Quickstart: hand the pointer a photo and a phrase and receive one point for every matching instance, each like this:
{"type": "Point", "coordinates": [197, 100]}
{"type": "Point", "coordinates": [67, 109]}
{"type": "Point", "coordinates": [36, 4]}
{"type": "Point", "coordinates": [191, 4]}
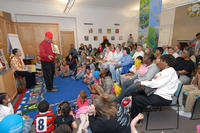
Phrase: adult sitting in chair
{"type": "Point", "coordinates": [165, 84]}
{"type": "Point", "coordinates": [185, 66]}
{"type": "Point", "coordinates": [123, 66]}
{"type": "Point", "coordinates": [18, 67]}
{"type": "Point", "coordinates": [147, 72]}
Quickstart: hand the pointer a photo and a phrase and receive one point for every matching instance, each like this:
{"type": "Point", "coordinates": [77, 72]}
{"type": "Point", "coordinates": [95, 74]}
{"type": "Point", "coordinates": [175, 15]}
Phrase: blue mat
{"type": "Point", "coordinates": [68, 89]}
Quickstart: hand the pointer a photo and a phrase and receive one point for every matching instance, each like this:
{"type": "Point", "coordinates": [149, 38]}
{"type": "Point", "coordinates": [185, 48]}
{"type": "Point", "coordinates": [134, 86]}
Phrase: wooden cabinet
{"type": "Point", "coordinates": [8, 83]}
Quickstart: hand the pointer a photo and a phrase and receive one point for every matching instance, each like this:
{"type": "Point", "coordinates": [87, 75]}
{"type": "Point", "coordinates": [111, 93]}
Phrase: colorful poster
{"type": "Point", "coordinates": [86, 38]}
{"type": "Point", "coordinates": [90, 30]}
{"type": "Point", "coordinates": [112, 38]}
{"type": "Point", "coordinates": [149, 24]}
{"type": "Point", "coordinates": [154, 23]}
{"type": "Point", "coordinates": [144, 21]}
{"type": "Point", "coordinates": [117, 31]}
{"type": "Point", "coordinates": [100, 31]}
{"type": "Point", "coordinates": [108, 31]}
{"type": "Point", "coordinates": [104, 37]}
{"type": "Point", "coordinates": [120, 38]}
{"type": "Point", "coordinates": [95, 38]}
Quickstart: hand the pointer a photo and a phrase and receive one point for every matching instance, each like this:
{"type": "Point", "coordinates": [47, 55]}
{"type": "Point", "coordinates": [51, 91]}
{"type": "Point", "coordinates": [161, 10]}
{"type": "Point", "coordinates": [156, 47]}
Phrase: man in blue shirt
{"type": "Point", "coordinates": [123, 66]}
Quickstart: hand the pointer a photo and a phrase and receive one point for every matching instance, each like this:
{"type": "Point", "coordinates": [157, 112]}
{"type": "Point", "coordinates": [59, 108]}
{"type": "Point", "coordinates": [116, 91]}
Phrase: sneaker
{"type": "Point", "coordinates": [185, 114]}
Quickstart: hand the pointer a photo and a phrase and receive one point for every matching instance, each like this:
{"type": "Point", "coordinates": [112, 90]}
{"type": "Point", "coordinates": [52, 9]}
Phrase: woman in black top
{"type": "Point", "coordinates": [185, 66]}
{"type": "Point", "coordinates": [71, 61]}
{"type": "Point", "coordinates": [108, 117]}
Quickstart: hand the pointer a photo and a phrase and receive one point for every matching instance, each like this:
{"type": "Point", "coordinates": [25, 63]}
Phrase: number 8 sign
{"type": "Point", "coordinates": [41, 124]}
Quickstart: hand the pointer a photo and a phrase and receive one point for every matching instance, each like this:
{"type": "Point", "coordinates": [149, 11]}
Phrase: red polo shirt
{"type": "Point", "coordinates": [45, 51]}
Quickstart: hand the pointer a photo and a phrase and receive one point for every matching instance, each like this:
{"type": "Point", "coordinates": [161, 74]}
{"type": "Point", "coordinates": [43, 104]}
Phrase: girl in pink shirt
{"type": "Point", "coordinates": [88, 77]}
{"type": "Point", "coordinates": [82, 113]}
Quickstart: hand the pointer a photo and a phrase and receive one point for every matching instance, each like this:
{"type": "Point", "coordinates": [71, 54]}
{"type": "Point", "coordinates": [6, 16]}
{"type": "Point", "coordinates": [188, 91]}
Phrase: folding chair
{"type": "Point", "coordinates": [174, 103]}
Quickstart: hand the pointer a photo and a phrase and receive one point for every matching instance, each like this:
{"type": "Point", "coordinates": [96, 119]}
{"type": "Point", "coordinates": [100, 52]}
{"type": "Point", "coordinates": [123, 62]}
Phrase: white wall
{"type": "Point", "coordinates": [101, 18]}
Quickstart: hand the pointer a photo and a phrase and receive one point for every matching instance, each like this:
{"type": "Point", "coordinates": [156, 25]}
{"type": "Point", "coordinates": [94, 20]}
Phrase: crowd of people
{"type": "Point", "coordinates": [151, 78]}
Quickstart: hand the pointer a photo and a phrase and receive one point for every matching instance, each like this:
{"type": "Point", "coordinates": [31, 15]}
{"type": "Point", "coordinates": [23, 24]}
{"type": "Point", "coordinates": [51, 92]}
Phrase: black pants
{"type": "Point", "coordinates": [48, 69]}
{"type": "Point", "coordinates": [139, 102]}
{"type": "Point", "coordinates": [30, 77]}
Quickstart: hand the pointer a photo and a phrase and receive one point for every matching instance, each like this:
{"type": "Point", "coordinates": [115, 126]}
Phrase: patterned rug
{"type": "Point", "coordinates": [68, 89]}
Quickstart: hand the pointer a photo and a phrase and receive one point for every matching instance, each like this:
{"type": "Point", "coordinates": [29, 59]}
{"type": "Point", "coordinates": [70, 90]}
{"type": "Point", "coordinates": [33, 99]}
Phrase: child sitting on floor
{"type": "Point", "coordinates": [88, 77]}
{"type": "Point", "coordinates": [64, 69]}
{"type": "Point", "coordinates": [44, 120]}
{"type": "Point", "coordinates": [82, 113]}
{"type": "Point", "coordinates": [64, 116]}
{"type": "Point", "coordinates": [38, 66]}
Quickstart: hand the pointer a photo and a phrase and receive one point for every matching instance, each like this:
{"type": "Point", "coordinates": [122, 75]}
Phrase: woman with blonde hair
{"type": "Point", "coordinates": [106, 116]}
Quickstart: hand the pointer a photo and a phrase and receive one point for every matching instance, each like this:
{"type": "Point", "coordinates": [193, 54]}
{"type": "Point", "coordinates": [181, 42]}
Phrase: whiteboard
{"type": "Point", "coordinates": [13, 42]}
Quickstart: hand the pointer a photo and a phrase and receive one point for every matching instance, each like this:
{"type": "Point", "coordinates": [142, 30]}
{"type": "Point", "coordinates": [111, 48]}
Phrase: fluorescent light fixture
{"type": "Point", "coordinates": [69, 5]}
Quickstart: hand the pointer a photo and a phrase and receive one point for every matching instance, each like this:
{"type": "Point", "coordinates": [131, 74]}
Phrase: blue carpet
{"type": "Point", "coordinates": [68, 89]}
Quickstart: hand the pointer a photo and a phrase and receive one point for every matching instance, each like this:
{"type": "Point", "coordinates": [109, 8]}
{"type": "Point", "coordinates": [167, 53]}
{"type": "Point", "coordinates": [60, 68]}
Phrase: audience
{"type": "Point", "coordinates": [17, 65]}
{"type": "Point", "coordinates": [139, 52]}
{"type": "Point", "coordinates": [122, 66]}
{"type": "Point", "coordinates": [185, 66]}
{"type": "Point", "coordinates": [45, 114]}
{"type": "Point", "coordinates": [64, 116]}
{"type": "Point", "coordinates": [164, 84]}
{"type": "Point", "coordinates": [133, 69]}
{"type": "Point", "coordinates": [171, 51]}
{"type": "Point", "coordinates": [82, 113]}
{"type": "Point", "coordinates": [108, 117]}
{"type": "Point", "coordinates": [6, 109]}
{"type": "Point", "coordinates": [73, 51]}
{"type": "Point", "coordinates": [197, 47]}
{"type": "Point", "coordinates": [193, 91]}
{"type": "Point", "coordinates": [147, 72]}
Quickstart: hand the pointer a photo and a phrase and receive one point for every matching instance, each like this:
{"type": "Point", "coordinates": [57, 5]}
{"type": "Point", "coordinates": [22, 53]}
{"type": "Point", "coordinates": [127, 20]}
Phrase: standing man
{"type": "Point", "coordinates": [130, 40]}
{"type": "Point", "coordinates": [47, 61]}
{"type": "Point", "coordinates": [197, 47]}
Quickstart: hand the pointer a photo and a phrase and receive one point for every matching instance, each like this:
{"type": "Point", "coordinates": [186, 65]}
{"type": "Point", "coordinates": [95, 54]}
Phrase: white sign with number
{"type": "Point", "coordinates": [41, 124]}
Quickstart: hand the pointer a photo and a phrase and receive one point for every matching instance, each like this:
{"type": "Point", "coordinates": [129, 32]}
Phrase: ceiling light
{"type": "Point", "coordinates": [64, 1]}
{"type": "Point", "coordinates": [69, 5]}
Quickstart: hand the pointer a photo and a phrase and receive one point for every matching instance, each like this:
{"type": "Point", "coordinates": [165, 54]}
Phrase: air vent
{"type": "Point", "coordinates": [117, 24]}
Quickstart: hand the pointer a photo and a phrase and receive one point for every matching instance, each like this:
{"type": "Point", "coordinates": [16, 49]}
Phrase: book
{"type": "Point", "coordinates": [55, 49]}
{"type": "Point", "coordinates": [30, 68]}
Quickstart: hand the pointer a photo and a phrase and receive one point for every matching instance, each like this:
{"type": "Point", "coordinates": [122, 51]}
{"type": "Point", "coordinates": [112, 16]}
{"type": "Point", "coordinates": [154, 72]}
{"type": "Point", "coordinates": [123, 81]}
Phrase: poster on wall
{"type": "Point", "coordinates": [117, 31]}
{"type": "Point", "coordinates": [112, 38]}
{"type": "Point", "coordinates": [120, 38]}
{"type": "Point", "coordinates": [95, 38]}
{"type": "Point", "coordinates": [90, 30]}
{"type": "Point", "coordinates": [108, 31]}
{"type": "Point", "coordinates": [86, 38]}
{"type": "Point", "coordinates": [100, 31]}
{"type": "Point", "coordinates": [104, 37]}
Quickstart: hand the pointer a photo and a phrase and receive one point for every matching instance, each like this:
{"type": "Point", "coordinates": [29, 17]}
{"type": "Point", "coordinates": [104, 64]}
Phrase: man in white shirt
{"type": "Point", "coordinates": [165, 83]}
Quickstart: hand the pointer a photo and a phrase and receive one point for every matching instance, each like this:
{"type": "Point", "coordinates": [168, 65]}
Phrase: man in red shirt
{"type": "Point", "coordinates": [47, 61]}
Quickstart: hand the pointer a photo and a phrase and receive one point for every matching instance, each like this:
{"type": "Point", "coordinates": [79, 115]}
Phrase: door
{"type": "Point", "coordinates": [67, 38]}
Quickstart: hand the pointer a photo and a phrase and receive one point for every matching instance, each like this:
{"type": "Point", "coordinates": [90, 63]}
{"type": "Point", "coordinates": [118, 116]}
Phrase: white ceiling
{"type": "Point", "coordinates": [120, 4]}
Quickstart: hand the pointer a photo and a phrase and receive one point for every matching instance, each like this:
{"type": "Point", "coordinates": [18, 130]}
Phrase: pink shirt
{"type": "Point", "coordinates": [90, 76]}
{"type": "Point", "coordinates": [80, 104]}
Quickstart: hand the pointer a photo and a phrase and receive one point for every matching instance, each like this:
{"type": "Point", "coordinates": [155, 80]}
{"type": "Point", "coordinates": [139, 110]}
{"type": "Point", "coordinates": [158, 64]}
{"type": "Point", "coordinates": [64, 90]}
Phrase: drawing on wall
{"type": "Point", "coordinates": [120, 37]}
{"type": "Point", "coordinates": [90, 30]}
{"type": "Point", "coordinates": [104, 37]}
{"type": "Point", "coordinates": [95, 38]}
{"type": "Point", "coordinates": [108, 31]}
{"type": "Point", "coordinates": [116, 31]}
{"type": "Point", "coordinates": [100, 31]}
{"type": "Point", "coordinates": [112, 38]}
{"type": "Point", "coordinates": [86, 38]}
